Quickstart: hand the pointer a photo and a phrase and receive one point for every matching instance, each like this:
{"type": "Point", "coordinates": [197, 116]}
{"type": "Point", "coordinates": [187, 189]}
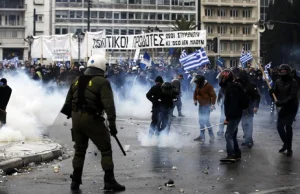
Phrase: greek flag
{"type": "Point", "coordinates": [162, 61]}
{"type": "Point", "coordinates": [194, 60]}
{"type": "Point", "coordinates": [183, 54]}
{"type": "Point", "coordinates": [245, 57]}
{"type": "Point", "coordinates": [268, 66]}
{"type": "Point", "coordinates": [146, 61]}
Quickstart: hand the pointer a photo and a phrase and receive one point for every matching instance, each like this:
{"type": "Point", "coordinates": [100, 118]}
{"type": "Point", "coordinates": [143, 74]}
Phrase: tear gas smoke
{"type": "Point", "coordinates": [31, 109]}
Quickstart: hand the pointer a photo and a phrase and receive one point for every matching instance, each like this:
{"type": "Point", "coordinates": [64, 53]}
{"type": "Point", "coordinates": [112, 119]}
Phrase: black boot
{"type": "Point", "coordinates": [110, 183]}
{"type": "Point", "coordinates": [283, 149]}
{"type": "Point", "coordinates": [76, 182]}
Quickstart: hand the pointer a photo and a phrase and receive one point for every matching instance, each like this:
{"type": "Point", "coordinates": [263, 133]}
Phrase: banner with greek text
{"type": "Point", "coordinates": [61, 55]}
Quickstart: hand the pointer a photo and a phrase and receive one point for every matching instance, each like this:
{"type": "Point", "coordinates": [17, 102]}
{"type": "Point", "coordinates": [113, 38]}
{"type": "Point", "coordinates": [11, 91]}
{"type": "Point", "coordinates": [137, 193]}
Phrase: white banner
{"type": "Point", "coordinates": [98, 42]}
{"type": "Point", "coordinates": [153, 40]}
{"type": "Point", "coordinates": [61, 55]}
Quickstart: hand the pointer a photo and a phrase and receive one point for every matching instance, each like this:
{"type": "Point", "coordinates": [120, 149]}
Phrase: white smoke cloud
{"type": "Point", "coordinates": [31, 109]}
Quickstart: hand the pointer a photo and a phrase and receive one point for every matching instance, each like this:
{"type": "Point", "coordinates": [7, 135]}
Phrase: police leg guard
{"type": "Point", "coordinates": [110, 183]}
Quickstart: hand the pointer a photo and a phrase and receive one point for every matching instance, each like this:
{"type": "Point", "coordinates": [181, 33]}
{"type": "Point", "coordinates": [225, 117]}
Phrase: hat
{"type": "Point", "coordinates": [159, 79]}
{"type": "Point", "coordinates": [3, 80]}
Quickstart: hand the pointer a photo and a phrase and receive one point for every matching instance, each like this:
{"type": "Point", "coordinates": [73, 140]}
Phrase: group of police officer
{"type": "Point", "coordinates": [90, 95]}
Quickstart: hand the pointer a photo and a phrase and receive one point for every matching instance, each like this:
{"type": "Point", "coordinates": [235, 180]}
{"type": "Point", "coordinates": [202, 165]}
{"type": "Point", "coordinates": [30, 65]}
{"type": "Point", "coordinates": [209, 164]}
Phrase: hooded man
{"type": "Point", "coordinates": [235, 101]}
{"type": "Point", "coordinates": [248, 114]}
{"type": "Point", "coordinates": [88, 97]}
{"type": "Point", "coordinates": [153, 95]}
{"type": "Point", "coordinates": [285, 90]}
{"type": "Point", "coordinates": [205, 96]}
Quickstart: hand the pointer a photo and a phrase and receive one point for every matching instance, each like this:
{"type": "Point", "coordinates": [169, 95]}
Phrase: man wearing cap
{"type": "Point", "coordinates": [5, 93]}
{"type": "Point", "coordinates": [153, 96]}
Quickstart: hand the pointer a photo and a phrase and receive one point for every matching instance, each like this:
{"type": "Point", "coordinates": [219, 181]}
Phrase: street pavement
{"type": "Point", "coordinates": [146, 169]}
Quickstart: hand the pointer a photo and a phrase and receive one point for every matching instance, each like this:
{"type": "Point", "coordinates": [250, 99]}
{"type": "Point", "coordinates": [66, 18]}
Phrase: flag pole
{"type": "Point", "coordinates": [265, 77]}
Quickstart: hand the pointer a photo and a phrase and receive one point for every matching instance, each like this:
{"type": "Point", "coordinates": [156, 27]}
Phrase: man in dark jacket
{"type": "Point", "coordinates": [153, 96]}
{"type": "Point", "coordinates": [248, 114]}
{"type": "Point", "coordinates": [5, 93]}
{"type": "Point", "coordinates": [285, 90]}
{"type": "Point", "coordinates": [235, 102]}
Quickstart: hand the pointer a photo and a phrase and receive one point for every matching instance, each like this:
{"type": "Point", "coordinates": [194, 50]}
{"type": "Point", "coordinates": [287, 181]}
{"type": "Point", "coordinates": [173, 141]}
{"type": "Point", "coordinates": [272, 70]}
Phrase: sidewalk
{"type": "Point", "coordinates": [20, 154]}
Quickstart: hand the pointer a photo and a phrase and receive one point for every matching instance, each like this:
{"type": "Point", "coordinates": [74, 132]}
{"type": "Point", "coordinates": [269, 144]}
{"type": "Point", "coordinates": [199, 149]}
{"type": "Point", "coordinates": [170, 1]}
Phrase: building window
{"type": "Point", "coordinates": [174, 2]}
{"type": "Point", "coordinates": [108, 31]}
{"type": "Point", "coordinates": [130, 32]}
{"type": "Point", "coordinates": [221, 29]}
{"type": "Point", "coordinates": [246, 30]}
{"type": "Point", "coordinates": [123, 32]}
{"type": "Point", "coordinates": [247, 46]}
{"type": "Point", "coordinates": [222, 46]}
{"type": "Point", "coordinates": [116, 31]}
{"type": "Point", "coordinates": [233, 47]}
{"type": "Point", "coordinates": [159, 16]}
{"type": "Point", "coordinates": [192, 17]}
{"type": "Point", "coordinates": [108, 15]}
{"type": "Point", "coordinates": [209, 29]}
{"type": "Point", "coordinates": [208, 12]}
{"type": "Point", "coordinates": [64, 31]}
{"type": "Point", "coordinates": [94, 14]}
{"type": "Point", "coordinates": [138, 16]}
{"type": "Point", "coordinates": [174, 16]}
{"type": "Point", "coordinates": [246, 13]}
{"type": "Point", "coordinates": [130, 16]}
{"type": "Point", "coordinates": [234, 13]}
{"type": "Point", "coordinates": [166, 16]}
{"type": "Point", "coordinates": [221, 12]}
{"type": "Point", "coordinates": [233, 30]}
{"type": "Point", "coordinates": [123, 15]}
{"type": "Point", "coordinates": [234, 62]}
{"type": "Point", "coordinates": [145, 16]}
{"type": "Point", "coordinates": [57, 30]}
{"type": "Point", "coordinates": [101, 14]}
{"type": "Point", "coordinates": [137, 31]}
{"type": "Point", "coordinates": [152, 16]}
{"type": "Point", "coordinates": [61, 14]}
{"type": "Point", "coordinates": [116, 15]}
{"type": "Point", "coordinates": [79, 14]}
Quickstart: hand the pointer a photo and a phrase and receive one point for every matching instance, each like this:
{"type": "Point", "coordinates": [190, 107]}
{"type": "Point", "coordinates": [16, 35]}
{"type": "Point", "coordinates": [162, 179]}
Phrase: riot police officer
{"type": "Point", "coordinates": [88, 97]}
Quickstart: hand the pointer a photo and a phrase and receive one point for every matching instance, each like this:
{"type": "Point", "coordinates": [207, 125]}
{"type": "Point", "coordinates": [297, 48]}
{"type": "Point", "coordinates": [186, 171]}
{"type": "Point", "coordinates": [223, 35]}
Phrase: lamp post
{"type": "Point", "coordinates": [80, 36]}
{"type": "Point", "coordinates": [270, 24]}
{"type": "Point", "coordinates": [29, 40]}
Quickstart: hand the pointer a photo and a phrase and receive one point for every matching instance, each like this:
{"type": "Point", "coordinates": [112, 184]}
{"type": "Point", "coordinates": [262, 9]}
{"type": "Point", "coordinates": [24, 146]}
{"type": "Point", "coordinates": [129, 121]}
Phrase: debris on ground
{"type": "Point", "coordinates": [174, 168]}
{"type": "Point", "coordinates": [170, 183]}
{"type": "Point", "coordinates": [126, 148]}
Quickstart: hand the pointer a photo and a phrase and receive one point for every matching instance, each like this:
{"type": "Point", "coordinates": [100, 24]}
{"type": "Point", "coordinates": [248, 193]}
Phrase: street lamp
{"type": "Point", "coordinates": [80, 36]}
{"type": "Point", "coordinates": [29, 40]}
{"type": "Point", "coordinates": [270, 24]}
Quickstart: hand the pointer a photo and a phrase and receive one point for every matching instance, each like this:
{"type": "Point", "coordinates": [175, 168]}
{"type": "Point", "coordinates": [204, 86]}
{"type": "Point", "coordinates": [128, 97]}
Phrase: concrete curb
{"type": "Point", "coordinates": [24, 161]}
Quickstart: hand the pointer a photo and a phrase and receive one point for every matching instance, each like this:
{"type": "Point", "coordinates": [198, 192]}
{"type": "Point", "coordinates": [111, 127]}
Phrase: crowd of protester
{"type": "Point", "coordinates": [124, 76]}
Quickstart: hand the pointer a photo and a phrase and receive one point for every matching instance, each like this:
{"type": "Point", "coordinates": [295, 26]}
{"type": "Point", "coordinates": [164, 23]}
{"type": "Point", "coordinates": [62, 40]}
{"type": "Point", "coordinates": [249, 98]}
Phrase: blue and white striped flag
{"type": "Point", "coordinates": [162, 61]}
{"type": "Point", "coordinates": [183, 54]}
{"type": "Point", "coordinates": [245, 57]}
{"type": "Point", "coordinates": [194, 60]}
{"type": "Point", "coordinates": [268, 66]}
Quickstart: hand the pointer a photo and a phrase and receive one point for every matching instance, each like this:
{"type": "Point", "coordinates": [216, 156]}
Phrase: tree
{"type": "Point", "coordinates": [279, 42]}
{"type": "Point", "coordinates": [181, 24]}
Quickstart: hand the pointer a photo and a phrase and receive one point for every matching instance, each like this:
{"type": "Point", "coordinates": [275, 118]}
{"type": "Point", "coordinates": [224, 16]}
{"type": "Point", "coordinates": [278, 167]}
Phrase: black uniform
{"type": "Point", "coordinates": [5, 93]}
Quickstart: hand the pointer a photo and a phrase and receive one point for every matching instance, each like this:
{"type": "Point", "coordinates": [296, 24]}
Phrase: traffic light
{"type": "Point", "coordinates": [215, 45]}
{"type": "Point", "coordinates": [90, 4]}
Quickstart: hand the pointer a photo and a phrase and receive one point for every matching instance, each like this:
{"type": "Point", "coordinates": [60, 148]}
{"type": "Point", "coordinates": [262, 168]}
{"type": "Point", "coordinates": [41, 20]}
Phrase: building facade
{"type": "Point", "coordinates": [12, 29]}
{"type": "Point", "coordinates": [16, 24]}
{"type": "Point", "coordinates": [120, 17]}
{"type": "Point", "coordinates": [233, 21]}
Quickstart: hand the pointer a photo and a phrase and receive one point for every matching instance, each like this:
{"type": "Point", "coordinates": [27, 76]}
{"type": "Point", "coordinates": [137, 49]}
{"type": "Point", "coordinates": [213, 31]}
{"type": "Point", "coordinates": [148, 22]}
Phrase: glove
{"type": "Point", "coordinates": [225, 122]}
{"type": "Point", "coordinates": [113, 130]}
{"type": "Point", "coordinates": [279, 103]}
{"type": "Point", "coordinates": [271, 92]}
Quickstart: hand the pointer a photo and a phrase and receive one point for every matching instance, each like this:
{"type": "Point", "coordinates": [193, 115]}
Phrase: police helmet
{"type": "Point", "coordinates": [97, 61]}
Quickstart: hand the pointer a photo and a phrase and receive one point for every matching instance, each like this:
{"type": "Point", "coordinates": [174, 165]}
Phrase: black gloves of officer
{"type": "Point", "coordinates": [113, 130]}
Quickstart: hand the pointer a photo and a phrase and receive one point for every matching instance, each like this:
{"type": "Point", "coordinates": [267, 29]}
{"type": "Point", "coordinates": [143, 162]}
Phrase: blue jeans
{"type": "Point", "coordinates": [222, 119]}
{"type": "Point", "coordinates": [164, 122]}
{"type": "Point", "coordinates": [232, 145]}
{"type": "Point", "coordinates": [204, 117]}
{"type": "Point", "coordinates": [247, 125]}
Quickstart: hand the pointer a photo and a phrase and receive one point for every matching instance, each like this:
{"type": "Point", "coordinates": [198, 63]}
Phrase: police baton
{"type": "Point", "coordinates": [120, 145]}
